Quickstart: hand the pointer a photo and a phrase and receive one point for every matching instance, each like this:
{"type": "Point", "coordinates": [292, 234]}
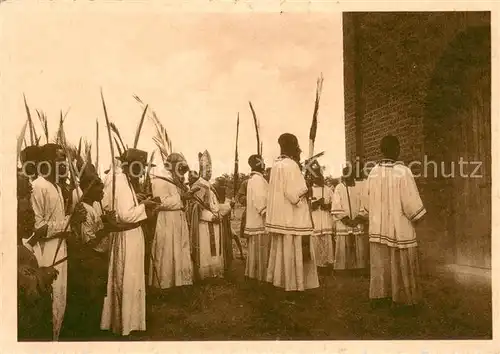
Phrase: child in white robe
{"type": "Point", "coordinates": [255, 231]}
{"type": "Point", "coordinates": [322, 197]}
{"type": "Point", "coordinates": [350, 242]}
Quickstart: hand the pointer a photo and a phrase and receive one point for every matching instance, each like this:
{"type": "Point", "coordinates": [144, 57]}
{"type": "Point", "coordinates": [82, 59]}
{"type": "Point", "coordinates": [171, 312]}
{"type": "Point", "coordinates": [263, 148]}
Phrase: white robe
{"type": "Point", "coordinates": [170, 249]}
{"type": "Point", "coordinates": [257, 189]}
{"type": "Point", "coordinates": [288, 220]}
{"type": "Point", "coordinates": [48, 205]}
{"type": "Point", "coordinates": [258, 240]}
{"type": "Point", "coordinates": [323, 228]}
{"type": "Point", "coordinates": [351, 246]}
{"type": "Point", "coordinates": [125, 304]}
{"type": "Point", "coordinates": [392, 203]}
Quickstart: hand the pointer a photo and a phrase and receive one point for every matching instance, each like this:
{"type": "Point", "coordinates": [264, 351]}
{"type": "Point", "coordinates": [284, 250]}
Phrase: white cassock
{"type": "Point", "coordinates": [125, 303]}
{"type": "Point", "coordinates": [258, 240]}
{"type": "Point", "coordinates": [350, 242]}
{"type": "Point", "coordinates": [392, 203]}
{"type": "Point", "coordinates": [48, 205]}
{"type": "Point", "coordinates": [171, 248]}
{"type": "Point", "coordinates": [288, 220]}
{"type": "Point", "coordinates": [323, 228]}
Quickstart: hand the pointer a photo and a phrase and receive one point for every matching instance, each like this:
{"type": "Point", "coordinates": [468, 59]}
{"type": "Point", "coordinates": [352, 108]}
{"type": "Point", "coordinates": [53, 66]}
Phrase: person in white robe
{"type": "Point", "coordinates": [124, 309]}
{"type": "Point", "coordinates": [393, 205]}
{"type": "Point", "coordinates": [350, 239]}
{"type": "Point", "coordinates": [292, 262]}
{"type": "Point", "coordinates": [323, 231]}
{"type": "Point", "coordinates": [255, 230]}
{"type": "Point", "coordinates": [170, 265]}
{"type": "Point", "coordinates": [48, 205]}
{"type": "Point", "coordinates": [208, 245]}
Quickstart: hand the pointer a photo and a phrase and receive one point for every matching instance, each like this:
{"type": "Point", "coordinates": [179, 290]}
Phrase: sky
{"type": "Point", "coordinates": [196, 71]}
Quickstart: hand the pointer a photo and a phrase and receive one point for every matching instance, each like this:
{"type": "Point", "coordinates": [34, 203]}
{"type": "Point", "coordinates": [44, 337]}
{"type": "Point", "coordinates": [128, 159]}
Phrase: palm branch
{"type": "Point", "coordinates": [116, 132]}
{"type": "Point", "coordinates": [43, 121]}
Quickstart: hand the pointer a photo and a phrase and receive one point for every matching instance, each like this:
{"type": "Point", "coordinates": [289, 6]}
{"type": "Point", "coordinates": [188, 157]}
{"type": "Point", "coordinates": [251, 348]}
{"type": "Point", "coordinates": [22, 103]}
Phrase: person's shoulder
{"type": "Point", "coordinates": [39, 181]}
{"type": "Point", "coordinates": [286, 163]}
{"type": "Point", "coordinates": [402, 169]}
{"type": "Point", "coordinates": [40, 184]}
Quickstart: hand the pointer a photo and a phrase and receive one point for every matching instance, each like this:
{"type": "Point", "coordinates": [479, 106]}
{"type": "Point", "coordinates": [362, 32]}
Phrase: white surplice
{"type": "Point", "coordinates": [170, 249]}
{"type": "Point", "coordinates": [351, 246]}
{"type": "Point", "coordinates": [323, 227]}
{"type": "Point", "coordinates": [288, 220]}
{"type": "Point", "coordinates": [125, 304]}
{"type": "Point", "coordinates": [48, 205]}
{"type": "Point", "coordinates": [258, 240]}
{"type": "Point", "coordinates": [392, 203]}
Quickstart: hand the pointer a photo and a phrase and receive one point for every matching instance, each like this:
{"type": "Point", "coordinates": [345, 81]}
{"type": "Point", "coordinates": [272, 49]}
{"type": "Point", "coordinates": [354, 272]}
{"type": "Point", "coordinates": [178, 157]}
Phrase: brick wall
{"type": "Point", "coordinates": [397, 54]}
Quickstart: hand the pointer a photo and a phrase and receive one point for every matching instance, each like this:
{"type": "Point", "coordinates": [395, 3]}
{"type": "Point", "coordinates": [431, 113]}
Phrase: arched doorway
{"type": "Point", "coordinates": [457, 130]}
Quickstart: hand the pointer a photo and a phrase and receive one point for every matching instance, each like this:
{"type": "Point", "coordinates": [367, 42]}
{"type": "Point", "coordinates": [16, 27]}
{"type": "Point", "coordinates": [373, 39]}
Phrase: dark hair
{"type": "Point", "coordinates": [287, 140]}
{"type": "Point", "coordinates": [255, 161]}
{"type": "Point", "coordinates": [389, 146]}
{"type": "Point", "coordinates": [48, 152]}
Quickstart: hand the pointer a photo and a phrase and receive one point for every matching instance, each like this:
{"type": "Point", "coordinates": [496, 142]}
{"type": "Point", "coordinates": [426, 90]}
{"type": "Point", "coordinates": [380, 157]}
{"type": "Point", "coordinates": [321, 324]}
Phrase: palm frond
{"type": "Point", "coordinates": [79, 151]}
{"type": "Point", "coordinates": [138, 100]}
{"type": "Point", "coordinates": [141, 122]}
{"type": "Point", "coordinates": [256, 124]}
{"type": "Point", "coordinates": [60, 135]}
{"type": "Point", "coordinates": [120, 152]}
{"type": "Point", "coordinates": [21, 138]}
{"type": "Point", "coordinates": [161, 139]}
{"type": "Point", "coordinates": [42, 117]}
{"type": "Point", "coordinates": [314, 123]}
{"type": "Point", "coordinates": [33, 136]}
{"type": "Point", "coordinates": [88, 151]}
{"type": "Point", "coordinates": [116, 132]}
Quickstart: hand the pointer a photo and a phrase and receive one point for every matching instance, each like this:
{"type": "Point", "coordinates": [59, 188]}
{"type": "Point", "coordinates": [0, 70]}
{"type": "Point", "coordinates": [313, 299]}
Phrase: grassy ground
{"type": "Point", "coordinates": [235, 309]}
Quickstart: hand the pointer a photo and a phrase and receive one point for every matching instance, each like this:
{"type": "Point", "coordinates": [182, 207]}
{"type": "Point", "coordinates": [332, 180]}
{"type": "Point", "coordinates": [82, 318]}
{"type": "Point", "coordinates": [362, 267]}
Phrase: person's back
{"type": "Point", "coordinates": [393, 205]}
{"type": "Point", "coordinates": [287, 211]}
{"type": "Point", "coordinates": [292, 262]}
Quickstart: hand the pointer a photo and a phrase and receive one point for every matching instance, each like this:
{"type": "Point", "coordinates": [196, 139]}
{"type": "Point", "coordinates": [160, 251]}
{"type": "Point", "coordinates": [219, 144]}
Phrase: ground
{"type": "Point", "coordinates": [234, 309]}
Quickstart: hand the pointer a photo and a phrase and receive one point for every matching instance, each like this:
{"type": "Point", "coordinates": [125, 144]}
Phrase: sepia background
{"type": "Point", "coordinates": [400, 74]}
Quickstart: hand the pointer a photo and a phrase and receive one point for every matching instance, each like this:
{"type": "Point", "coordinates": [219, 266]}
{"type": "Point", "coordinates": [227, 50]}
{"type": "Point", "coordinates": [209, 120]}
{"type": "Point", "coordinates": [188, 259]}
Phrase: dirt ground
{"type": "Point", "coordinates": [236, 309]}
